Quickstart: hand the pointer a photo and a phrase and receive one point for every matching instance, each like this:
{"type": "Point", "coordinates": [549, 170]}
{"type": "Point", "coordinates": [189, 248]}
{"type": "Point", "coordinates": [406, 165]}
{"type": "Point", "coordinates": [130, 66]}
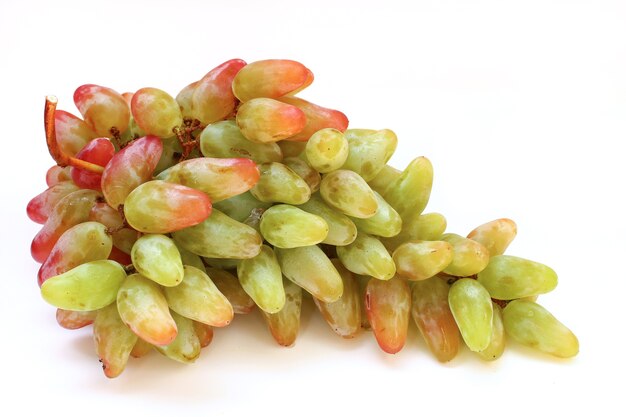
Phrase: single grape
{"type": "Point", "coordinates": [469, 257]}
{"type": "Point", "coordinates": [240, 207]}
{"type": "Point", "coordinates": [156, 112]}
{"type": "Point", "coordinates": [498, 337]}
{"type": "Point", "coordinates": [57, 174]}
{"type": "Point", "coordinates": [72, 133]}
{"type": "Point", "coordinates": [348, 193]}
{"type": "Point", "coordinates": [495, 235]}
{"type": "Point", "coordinates": [285, 324]}
{"type": "Point", "coordinates": [271, 78]}
{"type": "Point", "coordinates": [317, 117]}
{"type": "Point", "coordinates": [156, 257]}
{"type": "Point", "coordinates": [261, 279]}
{"type": "Point", "coordinates": [230, 286]}
{"type": "Point", "coordinates": [185, 348]}
{"type": "Point", "coordinates": [367, 256]}
{"type": "Point", "coordinates": [73, 320]}
{"type": "Point", "coordinates": [341, 230]}
{"type": "Point", "coordinates": [286, 226]}
{"type": "Point", "coordinates": [384, 178]}
{"type": "Point", "coordinates": [472, 308]}
{"type": "Point", "coordinates": [304, 170]}
{"type": "Point", "coordinates": [141, 348]}
{"type": "Point", "coordinates": [419, 260]}
{"type": "Point", "coordinates": [264, 120]}
{"type": "Point", "coordinates": [99, 151]}
{"type": "Point", "coordinates": [280, 184]}
{"type": "Point", "coordinates": [184, 99]}
{"type": "Point", "coordinates": [388, 305]}
{"type": "Point", "coordinates": [386, 222]}
{"type": "Point", "coordinates": [40, 207]}
{"type": "Point", "coordinates": [429, 226]}
{"type": "Point", "coordinates": [327, 150]}
{"type": "Point", "coordinates": [103, 109]}
{"type": "Point", "coordinates": [114, 341]}
{"type": "Point", "coordinates": [409, 193]}
{"type": "Point", "coordinates": [204, 333]}
{"type": "Point", "coordinates": [369, 151]}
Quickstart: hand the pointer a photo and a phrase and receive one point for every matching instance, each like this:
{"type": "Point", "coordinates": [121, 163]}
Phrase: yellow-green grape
{"type": "Point", "coordinates": [185, 100]}
{"type": "Point", "coordinates": [343, 315]}
{"type": "Point", "coordinates": [495, 235]}
{"type": "Point", "coordinates": [369, 151]}
{"type": "Point", "coordinates": [498, 337]}
{"type": "Point", "coordinates": [410, 192]}
{"type": "Point", "coordinates": [347, 192]}
{"type": "Point", "coordinates": [280, 184]}
{"type": "Point", "coordinates": [385, 176]}
{"type": "Point", "coordinates": [285, 324]}
{"type": "Point", "coordinates": [229, 285]}
{"type": "Point", "coordinates": [327, 150]}
{"type": "Point", "coordinates": [472, 308]}
{"type": "Point", "coordinates": [310, 268]}
{"type": "Point", "coordinates": [241, 206]}
{"type": "Point", "coordinates": [431, 312]}
{"type": "Point", "coordinates": [287, 226]}
{"type": "Point", "coordinates": [204, 333]}
{"type": "Point", "coordinates": [304, 170]}
{"type": "Point", "coordinates": [262, 280]}
{"type": "Point", "coordinates": [532, 325]}
{"type": "Point", "coordinates": [185, 347]}
{"type": "Point", "coordinates": [418, 260]}
{"type": "Point", "coordinates": [290, 148]}
{"type": "Point", "coordinates": [143, 307]}
{"type": "Point", "coordinates": [87, 287]}
{"type": "Point", "coordinates": [264, 120]}
{"type": "Point", "coordinates": [114, 340]}
{"type": "Point", "coordinates": [429, 226]}
{"type": "Point", "coordinates": [222, 263]}
{"type": "Point", "coordinates": [386, 222]}
{"type": "Point", "coordinates": [367, 256]}
{"type": "Point", "coordinates": [190, 259]}
{"type": "Point", "coordinates": [141, 348]}
{"type": "Point", "coordinates": [156, 112]}
{"type": "Point", "coordinates": [219, 236]}
{"type": "Point", "coordinates": [197, 298]}
{"type": "Point", "coordinates": [508, 277]}
{"type": "Point", "coordinates": [224, 140]}
{"type": "Point", "coordinates": [469, 258]}
{"type": "Point", "coordinates": [341, 230]}
{"type": "Point", "coordinates": [362, 281]}
{"type": "Point", "coordinates": [157, 257]}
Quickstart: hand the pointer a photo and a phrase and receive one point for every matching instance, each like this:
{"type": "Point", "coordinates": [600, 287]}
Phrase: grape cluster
{"type": "Point", "coordinates": [166, 216]}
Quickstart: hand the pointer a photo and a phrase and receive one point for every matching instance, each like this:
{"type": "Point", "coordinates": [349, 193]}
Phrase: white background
{"type": "Point", "coordinates": [520, 106]}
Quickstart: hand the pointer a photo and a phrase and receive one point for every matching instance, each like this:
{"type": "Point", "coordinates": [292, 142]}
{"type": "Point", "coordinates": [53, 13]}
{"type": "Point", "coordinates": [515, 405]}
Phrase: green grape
{"type": "Point", "coordinates": [495, 235]}
{"type": "Point", "coordinates": [185, 347]}
{"type": "Point", "coordinates": [184, 99]}
{"type": "Point", "coordinates": [429, 226]}
{"type": "Point", "coordinates": [532, 325]}
{"type": "Point", "coordinates": [370, 150]}
{"type": "Point", "coordinates": [341, 230]}
{"type": "Point", "coordinates": [143, 307]}
{"type": "Point", "coordinates": [223, 263]}
{"type": "Point", "coordinates": [87, 287]}
{"type": "Point", "coordinates": [224, 140]}
{"type": "Point", "coordinates": [197, 298]}
{"type": "Point", "coordinates": [384, 178]}
{"type": "Point", "coordinates": [508, 277]}
{"type": "Point", "coordinates": [264, 120]}
{"type": "Point", "coordinates": [241, 206]}
{"type": "Point", "coordinates": [310, 268]}
{"type": "Point", "coordinates": [261, 279]}
{"type": "Point", "coordinates": [287, 226]}
{"type": "Point", "coordinates": [469, 257]}
{"type": "Point", "coordinates": [219, 236]}
{"type": "Point", "coordinates": [327, 150]}
{"type": "Point", "coordinates": [156, 257]}
{"type": "Point", "coordinates": [230, 286]}
{"type": "Point", "coordinates": [388, 305]}
{"type": "Point", "coordinates": [304, 170]}
{"type": "Point", "coordinates": [418, 260]}
{"type": "Point", "coordinates": [498, 337]}
{"type": "Point", "coordinates": [410, 192]}
{"type": "Point", "coordinates": [114, 340]}
{"type": "Point", "coordinates": [386, 222]}
{"type": "Point", "coordinates": [347, 192]}
{"type": "Point", "coordinates": [472, 308]}
{"type": "Point", "coordinates": [290, 148]}
{"type": "Point", "coordinates": [285, 324]}
{"type": "Point", "coordinates": [156, 112]}
{"type": "Point", "coordinates": [280, 184]}
{"type": "Point", "coordinates": [190, 259]}
{"type": "Point", "coordinates": [367, 256]}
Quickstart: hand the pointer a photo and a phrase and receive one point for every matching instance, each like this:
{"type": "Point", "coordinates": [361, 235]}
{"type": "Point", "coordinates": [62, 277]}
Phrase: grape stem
{"type": "Point", "coordinates": [57, 154]}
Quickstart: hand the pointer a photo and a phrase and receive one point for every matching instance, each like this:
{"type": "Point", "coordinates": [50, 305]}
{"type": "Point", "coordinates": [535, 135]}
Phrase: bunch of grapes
{"type": "Point", "coordinates": [166, 216]}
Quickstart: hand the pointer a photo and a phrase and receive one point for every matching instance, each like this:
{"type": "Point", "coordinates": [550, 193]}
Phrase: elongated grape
{"type": "Point", "coordinates": [347, 192]}
{"type": "Point", "coordinates": [224, 140]}
{"type": "Point", "coordinates": [40, 207]}
{"type": "Point", "coordinates": [240, 207]}
{"type": "Point", "coordinates": [69, 211]}
{"type": "Point", "coordinates": [469, 257]}
{"type": "Point", "coordinates": [341, 230]}
{"type": "Point", "coordinates": [129, 168]}
{"type": "Point", "coordinates": [73, 320]}
{"type": "Point", "coordinates": [508, 277]}
{"type": "Point", "coordinates": [143, 307]}
{"type": "Point", "coordinates": [264, 120]}
{"type": "Point", "coordinates": [367, 256]}
{"type": "Point", "coordinates": [213, 97]}
{"type": "Point", "coordinates": [429, 226]}
{"type": "Point", "coordinates": [197, 298]}
{"type": "Point", "coordinates": [289, 148]}
{"type": "Point", "coordinates": [222, 263]}
{"type": "Point", "coordinates": [191, 259]}
{"type": "Point", "coordinates": [184, 99]}
{"type": "Point", "coordinates": [304, 170]}
{"type": "Point", "coordinates": [219, 236]}
{"type": "Point", "coordinates": [102, 108]}
{"type": "Point", "coordinates": [317, 117]}
{"type": "Point", "coordinates": [80, 244]}
{"type": "Point", "coordinates": [384, 178]}
{"type": "Point", "coordinates": [418, 260]}
{"type": "Point", "coordinates": [410, 192]}
{"type": "Point", "coordinates": [327, 150]}
{"type": "Point", "coordinates": [369, 151]}
{"type": "Point", "coordinates": [230, 286]}
{"type": "Point", "coordinates": [344, 315]}
{"type": "Point", "coordinates": [186, 346]}
{"type": "Point", "coordinates": [141, 348]}
{"type": "Point", "coordinates": [271, 78]}
{"type": "Point", "coordinates": [472, 308]}
{"type": "Point", "coordinates": [532, 325]}
{"type": "Point", "coordinates": [495, 235]}
{"type": "Point", "coordinates": [99, 151]}
{"type": "Point", "coordinates": [57, 174]}
{"type": "Point", "coordinates": [286, 226]}
{"type": "Point", "coordinates": [114, 341]}
{"type": "Point", "coordinates": [156, 257]}
{"type": "Point", "coordinates": [388, 305]}
{"type": "Point", "coordinates": [261, 279]}
{"type": "Point", "coordinates": [87, 287]}
{"type": "Point", "coordinates": [310, 268]}
{"type": "Point", "coordinates": [220, 178]}
{"type": "Point", "coordinates": [432, 315]}
{"type": "Point", "coordinates": [72, 133]}
{"type": "Point", "coordinates": [285, 324]}
{"type": "Point", "coordinates": [386, 222]}
{"type": "Point", "coordinates": [163, 207]}
{"type": "Point", "coordinates": [156, 112]}
{"type": "Point", "coordinates": [204, 333]}
{"type": "Point", "coordinates": [498, 337]}
{"type": "Point", "coordinates": [280, 184]}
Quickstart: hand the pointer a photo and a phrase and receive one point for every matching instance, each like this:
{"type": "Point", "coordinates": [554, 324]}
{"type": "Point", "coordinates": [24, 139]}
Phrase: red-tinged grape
{"type": "Point", "coordinates": [184, 99]}
{"type": "Point", "coordinates": [185, 348]}
{"type": "Point", "coordinates": [204, 333]}
{"type": "Point", "coordinates": [285, 324]}
{"type": "Point", "coordinates": [99, 151]}
{"type": "Point", "coordinates": [72, 133]}
{"type": "Point", "coordinates": [120, 257]}
{"type": "Point", "coordinates": [388, 305]}
{"type": "Point", "coordinates": [40, 207]}
{"type": "Point", "coordinates": [57, 174]}
{"type": "Point", "coordinates": [271, 78]}
{"type": "Point", "coordinates": [495, 235]}
{"type": "Point", "coordinates": [141, 348]}
{"type": "Point", "coordinates": [128, 96]}
{"type": "Point", "coordinates": [317, 117]}
{"type": "Point", "coordinates": [72, 320]}
{"type": "Point", "coordinates": [104, 109]}
{"type": "Point", "coordinates": [129, 168]}
{"type": "Point", "coordinates": [264, 120]}
{"type": "Point", "coordinates": [114, 341]}
{"type": "Point", "coordinates": [156, 112]}
{"type": "Point", "coordinates": [229, 285]}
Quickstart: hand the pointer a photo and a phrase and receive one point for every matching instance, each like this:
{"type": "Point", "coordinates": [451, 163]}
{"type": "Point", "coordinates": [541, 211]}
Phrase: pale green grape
{"type": "Point", "coordinates": [369, 151]}
{"type": "Point", "coordinates": [280, 184]}
{"type": "Point", "coordinates": [367, 256]}
{"type": "Point", "coordinates": [341, 230]}
{"type": "Point", "coordinates": [241, 206]}
{"type": "Point", "coordinates": [304, 170]}
{"type": "Point", "coordinates": [418, 260]}
{"type": "Point", "coordinates": [409, 193]}
{"type": "Point", "coordinates": [185, 347]}
{"type": "Point", "coordinates": [287, 226]}
{"type": "Point", "coordinates": [327, 150]}
{"type": "Point", "coordinates": [472, 308]}
{"type": "Point", "coordinates": [156, 112]}
{"type": "Point", "coordinates": [347, 192]}
{"type": "Point", "coordinates": [386, 222]}
{"type": "Point", "coordinates": [262, 280]}
{"type": "Point", "coordinates": [224, 140]}
{"type": "Point", "coordinates": [498, 338]}
{"type": "Point", "coordinates": [469, 257]}
{"type": "Point", "coordinates": [156, 257]}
